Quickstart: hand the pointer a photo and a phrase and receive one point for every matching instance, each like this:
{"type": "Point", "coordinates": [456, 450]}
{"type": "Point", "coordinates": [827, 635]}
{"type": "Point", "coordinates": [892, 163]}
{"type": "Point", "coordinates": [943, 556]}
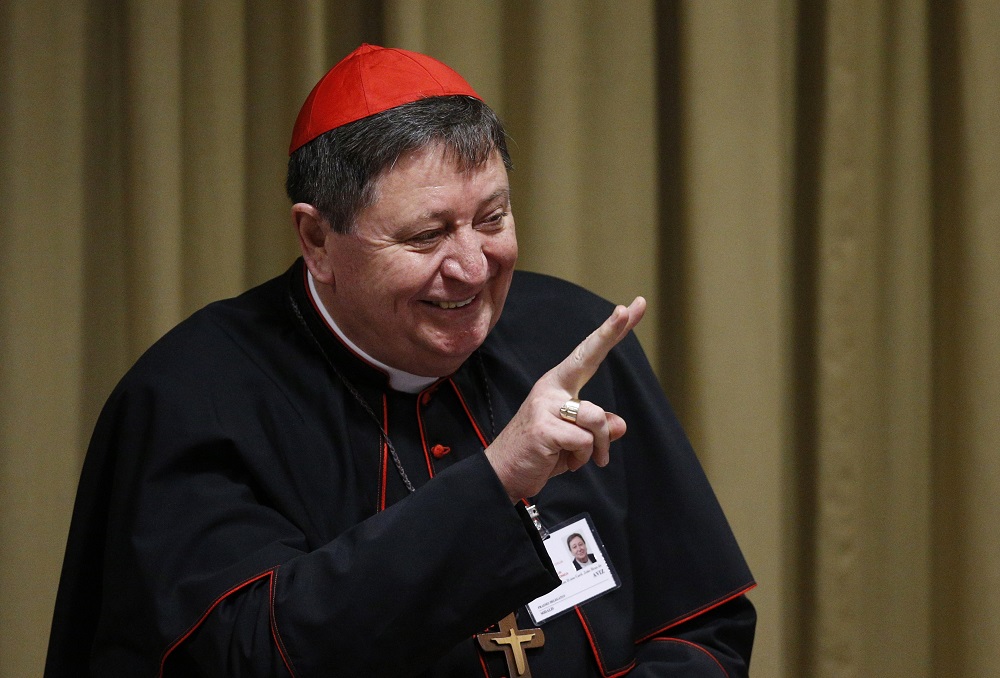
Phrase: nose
{"type": "Point", "coordinates": [466, 260]}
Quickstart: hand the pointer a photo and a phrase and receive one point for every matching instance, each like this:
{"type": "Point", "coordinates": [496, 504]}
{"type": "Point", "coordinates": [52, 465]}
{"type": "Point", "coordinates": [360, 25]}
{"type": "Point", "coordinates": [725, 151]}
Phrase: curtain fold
{"type": "Point", "coordinates": [965, 56]}
{"type": "Point", "coordinates": [872, 348]}
{"type": "Point", "coordinates": [736, 132]}
{"type": "Point", "coordinates": [806, 192]}
{"type": "Point", "coordinates": [41, 310]}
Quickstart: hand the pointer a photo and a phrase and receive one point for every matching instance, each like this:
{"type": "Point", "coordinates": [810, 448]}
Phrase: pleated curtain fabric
{"type": "Point", "coordinates": [806, 193]}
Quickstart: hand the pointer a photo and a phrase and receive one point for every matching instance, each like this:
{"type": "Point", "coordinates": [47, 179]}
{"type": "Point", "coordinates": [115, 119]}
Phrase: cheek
{"type": "Point", "coordinates": [503, 256]}
{"type": "Point", "coordinates": [404, 280]}
{"type": "Point", "coordinates": [509, 248]}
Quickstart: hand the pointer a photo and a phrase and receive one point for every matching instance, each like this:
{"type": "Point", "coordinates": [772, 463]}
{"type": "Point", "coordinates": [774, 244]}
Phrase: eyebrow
{"type": "Point", "coordinates": [500, 192]}
{"type": "Point", "coordinates": [504, 191]}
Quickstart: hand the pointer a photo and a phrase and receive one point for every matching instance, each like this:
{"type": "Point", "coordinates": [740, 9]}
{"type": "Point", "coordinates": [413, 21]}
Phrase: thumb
{"type": "Point", "coordinates": [616, 426]}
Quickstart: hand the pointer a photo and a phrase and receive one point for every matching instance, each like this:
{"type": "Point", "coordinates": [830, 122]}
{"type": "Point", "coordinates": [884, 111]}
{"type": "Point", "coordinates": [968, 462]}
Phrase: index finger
{"type": "Point", "coordinates": [580, 365]}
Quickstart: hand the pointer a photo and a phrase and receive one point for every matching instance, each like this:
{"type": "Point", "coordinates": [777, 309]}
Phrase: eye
{"type": "Point", "coordinates": [424, 239]}
{"type": "Point", "coordinates": [494, 220]}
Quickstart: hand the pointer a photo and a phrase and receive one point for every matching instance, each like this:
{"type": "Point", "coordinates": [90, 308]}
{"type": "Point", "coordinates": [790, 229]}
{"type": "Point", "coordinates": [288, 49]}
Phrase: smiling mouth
{"type": "Point", "coordinates": [452, 304]}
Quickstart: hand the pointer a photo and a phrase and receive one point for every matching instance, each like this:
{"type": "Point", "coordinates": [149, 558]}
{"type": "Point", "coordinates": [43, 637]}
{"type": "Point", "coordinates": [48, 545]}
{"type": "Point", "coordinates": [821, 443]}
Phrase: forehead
{"type": "Point", "coordinates": [433, 169]}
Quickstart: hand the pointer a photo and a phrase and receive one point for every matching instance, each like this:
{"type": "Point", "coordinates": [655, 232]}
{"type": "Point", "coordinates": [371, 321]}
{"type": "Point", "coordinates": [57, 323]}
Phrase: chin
{"type": "Point", "coordinates": [458, 355]}
{"type": "Point", "coordinates": [450, 358]}
{"type": "Point", "coordinates": [471, 337]}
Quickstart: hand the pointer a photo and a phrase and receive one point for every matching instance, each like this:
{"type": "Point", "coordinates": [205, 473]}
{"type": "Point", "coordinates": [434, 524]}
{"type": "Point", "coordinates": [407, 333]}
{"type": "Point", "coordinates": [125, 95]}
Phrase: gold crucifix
{"type": "Point", "coordinates": [512, 641]}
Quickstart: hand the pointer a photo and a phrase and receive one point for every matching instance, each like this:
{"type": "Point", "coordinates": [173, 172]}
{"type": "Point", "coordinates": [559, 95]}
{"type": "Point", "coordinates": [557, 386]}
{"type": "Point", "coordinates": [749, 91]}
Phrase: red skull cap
{"type": "Point", "coordinates": [370, 80]}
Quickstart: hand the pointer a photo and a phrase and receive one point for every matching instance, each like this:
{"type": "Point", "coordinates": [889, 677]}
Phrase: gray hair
{"type": "Point", "coordinates": [338, 171]}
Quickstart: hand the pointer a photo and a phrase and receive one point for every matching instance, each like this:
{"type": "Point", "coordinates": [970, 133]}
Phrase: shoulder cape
{"type": "Point", "coordinates": [231, 460]}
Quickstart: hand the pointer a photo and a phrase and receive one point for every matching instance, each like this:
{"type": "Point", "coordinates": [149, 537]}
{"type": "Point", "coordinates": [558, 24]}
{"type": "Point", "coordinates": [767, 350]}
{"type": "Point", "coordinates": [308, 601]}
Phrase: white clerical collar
{"type": "Point", "coordinates": [398, 379]}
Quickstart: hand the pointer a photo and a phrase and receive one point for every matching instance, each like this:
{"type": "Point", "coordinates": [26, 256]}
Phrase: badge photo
{"type": "Point", "coordinates": [581, 561]}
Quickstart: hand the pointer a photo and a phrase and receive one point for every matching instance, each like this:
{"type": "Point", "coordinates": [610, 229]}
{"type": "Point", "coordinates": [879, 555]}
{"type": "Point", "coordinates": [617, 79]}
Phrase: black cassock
{"type": "Point", "coordinates": [239, 513]}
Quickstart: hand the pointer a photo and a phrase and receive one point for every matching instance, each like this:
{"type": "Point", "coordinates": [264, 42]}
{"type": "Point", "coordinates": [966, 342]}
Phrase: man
{"type": "Point", "coordinates": [329, 475]}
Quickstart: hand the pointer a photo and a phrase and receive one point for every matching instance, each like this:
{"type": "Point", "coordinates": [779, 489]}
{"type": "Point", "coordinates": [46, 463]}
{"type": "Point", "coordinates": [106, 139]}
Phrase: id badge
{"type": "Point", "coordinates": [580, 560]}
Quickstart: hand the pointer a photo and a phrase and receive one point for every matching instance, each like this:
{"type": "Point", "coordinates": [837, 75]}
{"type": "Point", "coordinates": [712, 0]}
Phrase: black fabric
{"type": "Point", "coordinates": [238, 514]}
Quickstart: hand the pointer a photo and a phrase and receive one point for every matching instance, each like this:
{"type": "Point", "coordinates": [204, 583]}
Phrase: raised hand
{"type": "Point", "coordinates": [538, 443]}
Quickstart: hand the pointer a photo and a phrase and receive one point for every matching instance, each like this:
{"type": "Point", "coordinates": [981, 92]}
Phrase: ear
{"type": "Point", "coordinates": [314, 240]}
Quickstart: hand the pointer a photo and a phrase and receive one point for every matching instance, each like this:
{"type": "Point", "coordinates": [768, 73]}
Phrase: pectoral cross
{"type": "Point", "coordinates": [512, 641]}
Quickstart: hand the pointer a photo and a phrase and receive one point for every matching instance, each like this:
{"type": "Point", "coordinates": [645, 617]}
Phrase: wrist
{"type": "Point", "coordinates": [503, 474]}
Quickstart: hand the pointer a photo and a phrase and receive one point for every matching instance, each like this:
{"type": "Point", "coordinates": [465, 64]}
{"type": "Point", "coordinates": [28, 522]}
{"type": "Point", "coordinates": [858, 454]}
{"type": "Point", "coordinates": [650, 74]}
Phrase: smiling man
{"type": "Point", "coordinates": [432, 259]}
{"type": "Point", "coordinates": [353, 469]}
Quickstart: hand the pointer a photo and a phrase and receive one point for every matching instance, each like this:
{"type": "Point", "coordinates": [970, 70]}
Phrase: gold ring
{"type": "Point", "coordinates": [570, 410]}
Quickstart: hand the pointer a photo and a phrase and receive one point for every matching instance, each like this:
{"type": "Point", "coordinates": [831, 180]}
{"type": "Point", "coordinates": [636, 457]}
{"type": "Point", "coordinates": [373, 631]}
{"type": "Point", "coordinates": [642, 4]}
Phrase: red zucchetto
{"type": "Point", "coordinates": [370, 80]}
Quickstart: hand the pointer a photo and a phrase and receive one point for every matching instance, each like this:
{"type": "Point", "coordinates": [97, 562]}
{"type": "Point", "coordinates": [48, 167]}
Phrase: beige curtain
{"type": "Point", "coordinates": [805, 191]}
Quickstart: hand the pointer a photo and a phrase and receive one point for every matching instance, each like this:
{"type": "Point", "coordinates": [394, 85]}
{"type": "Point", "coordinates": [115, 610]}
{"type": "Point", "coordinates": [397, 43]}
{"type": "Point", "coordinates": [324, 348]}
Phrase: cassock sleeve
{"type": "Point", "coordinates": [389, 596]}
{"type": "Point", "coordinates": [210, 571]}
{"type": "Point", "coordinates": [716, 644]}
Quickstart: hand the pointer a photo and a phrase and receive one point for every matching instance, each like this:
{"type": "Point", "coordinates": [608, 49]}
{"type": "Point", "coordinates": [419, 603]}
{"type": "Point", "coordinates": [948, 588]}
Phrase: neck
{"type": "Point", "coordinates": [399, 380]}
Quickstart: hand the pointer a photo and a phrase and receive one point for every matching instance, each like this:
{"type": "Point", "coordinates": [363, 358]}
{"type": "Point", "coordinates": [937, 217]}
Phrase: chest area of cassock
{"type": "Point", "coordinates": [430, 431]}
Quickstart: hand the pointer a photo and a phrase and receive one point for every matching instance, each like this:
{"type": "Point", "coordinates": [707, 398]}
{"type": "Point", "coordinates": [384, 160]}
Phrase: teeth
{"type": "Point", "coordinates": [453, 304]}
